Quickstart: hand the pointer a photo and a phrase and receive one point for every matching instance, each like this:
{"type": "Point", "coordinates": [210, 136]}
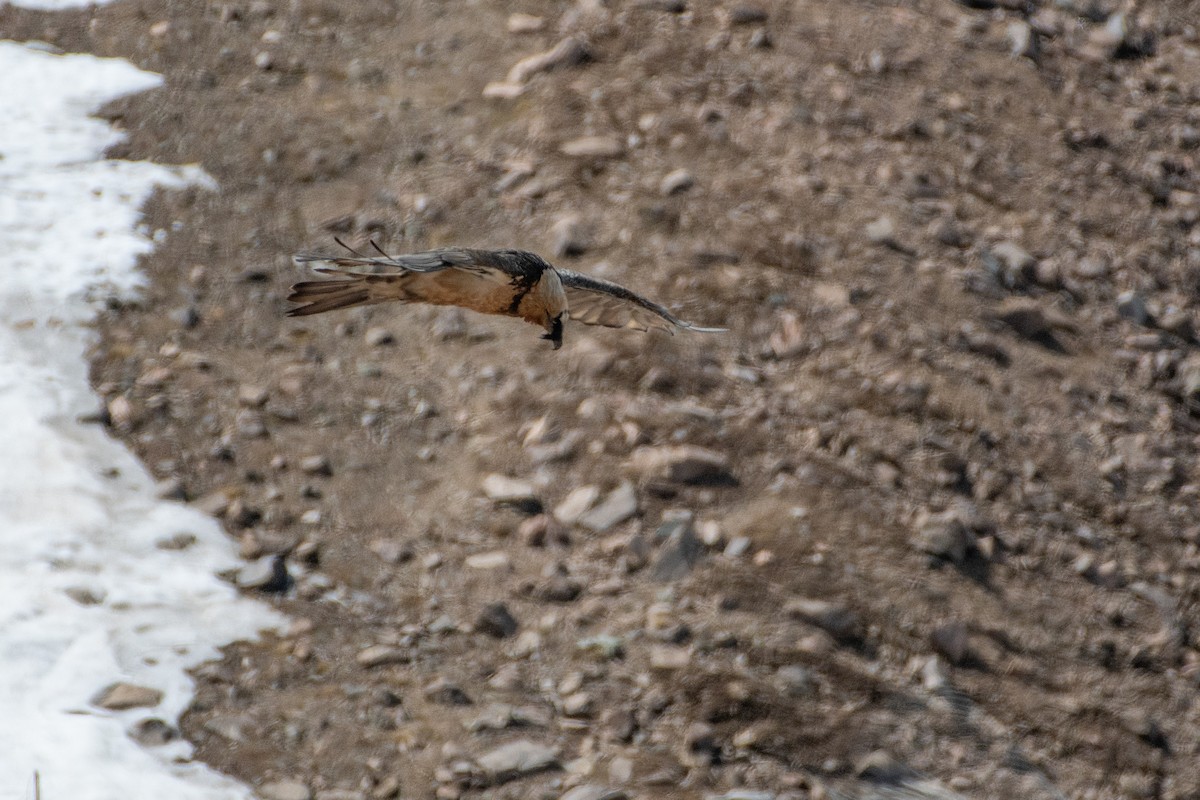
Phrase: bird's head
{"type": "Point", "coordinates": [554, 331]}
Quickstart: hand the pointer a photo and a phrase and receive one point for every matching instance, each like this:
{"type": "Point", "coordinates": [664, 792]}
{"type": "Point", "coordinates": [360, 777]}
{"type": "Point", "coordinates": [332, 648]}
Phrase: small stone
{"type": "Point", "coordinates": [576, 503]}
{"type": "Point", "coordinates": [567, 53]}
{"type": "Point", "coordinates": [84, 595]}
{"type": "Point", "coordinates": [881, 231]}
{"type": "Point", "coordinates": [525, 23]}
{"type": "Point", "coordinates": [378, 337]}
{"type": "Point", "coordinates": [233, 728]}
{"type": "Point", "coordinates": [1132, 306]}
{"type": "Point", "coordinates": [797, 681]}
{"type": "Point", "coordinates": [284, 790]}
{"type": "Point", "coordinates": [558, 589]}
{"type": "Point", "coordinates": [496, 559]}
{"type": "Point", "coordinates": [687, 464]}
{"type": "Point", "coordinates": [667, 658]}
{"type": "Point", "coordinates": [620, 769]}
{"type": "Point", "coordinates": [836, 620]}
{"type": "Point", "coordinates": [738, 546]}
{"type": "Point", "coordinates": [504, 490]}
{"type": "Point", "coordinates": [952, 640]}
{"type": "Point", "coordinates": [588, 791]}
{"type": "Point", "coordinates": [316, 465]}
{"type": "Point", "coordinates": [944, 536]}
{"type": "Point", "coordinates": [392, 551]}
{"type": "Point", "coordinates": [120, 412]}
{"type": "Point", "coordinates": [881, 767]}
{"type": "Point", "coordinates": [122, 696]}
{"type": "Point", "coordinates": [676, 181]}
{"type": "Point", "coordinates": [153, 732]}
{"type": "Point", "coordinates": [267, 574]}
{"type": "Point", "coordinates": [252, 396]}
{"type": "Point", "coordinates": [578, 704]}
{"type": "Point", "coordinates": [747, 15]}
{"type": "Point", "coordinates": [446, 693]}
{"type": "Point", "coordinates": [1022, 40]}
{"type": "Point", "coordinates": [620, 504]}
{"type": "Point", "coordinates": [570, 236]}
{"type": "Point", "coordinates": [377, 655]}
{"type": "Point", "coordinates": [593, 147]}
{"type": "Point", "coordinates": [681, 550]}
{"type": "Point", "coordinates": [518, 758]}
{"type": "Point", "coordinates": [496, 620]}
{"type": "Point", "coordinates": [1011, 265]}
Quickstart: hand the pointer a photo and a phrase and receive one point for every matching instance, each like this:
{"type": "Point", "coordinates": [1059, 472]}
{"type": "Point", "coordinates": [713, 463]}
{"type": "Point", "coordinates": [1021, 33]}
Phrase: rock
{"type": "Point", "coordinates": [377, 655]}
{"type": "Point", "coordinates": [504, 490]}
{"type": "Point", "coordinates": [945, 536]}
{"type": "Point", "coordinates": [738, 546]}
{"type": "Point", "coordinates": [681, 550]}
{"type": "Point", "coordinates": [153, 732]}
{"type": "Point", "coordinates": [123, 696]}
{"type": "Point", "coordinates": [1011, 265]}
{"type": "Point", "coordinates": [593, 147]}
{"type": "Point", "coordinates": [496, 620]}
{"type": "Point", "coordinates": [747, 15]}
{"type": "Point", "coordinates": [577, 704]}
{"type": "Point", "coordinates": [620, 504]}
{"type": "Point", "coordinates": [741, 794]}
{"type": "Point", "coordinates": [378, 337]}
{"type": "Point", "coordinates": [252, 396]}
{"type": "Point", "coordinates": [340, 794]}
{"type": "Point", "coordinates": [233, 728]}
{"type": "Point", "coordinates": [446, 693]}
{"type": "Point", "coordinates": [676, 181]}
{"type": "Point", "coordinates": [687, 464]}
{"type": "Point", "coordinates": [838, 621]}
{"type": "Point", "coordinates": [576, 503]}
{"type": "Point", "coordinates": [952, 640]}
{"type": "Point", "coordinates": [516, 759]}
{"type": "Point", "coordinates": [1030, 322]}
{"type": "Point", "coordinates": [392, 551]}
{"type": "Point", "coordinates": [1132, 306]}
{"type": "Point", "coordinates": [797, 681]}
{"type": "Point", "coordinates": [588, 791]}
{"type": "Point", "coordinates": [568, 52]}
{"type": "Point", "coordinates": [525, 23]}
{"type": "Point", "coordinates": [569, 236]}
{"type": "Point", "coordinates": [496, 559]}
{"type": "Point", "coordinates": [1022, 40]}
{"type": "Point", "coordinates": [881, 767]}
{"type": "Point", "coordinates": [284, 790]}
{"type": "Point", "coordinates": [881, 231]}
{"type": "Point", "coordinates": [316, 465]}
{"type": "Point", "coordinates": [267, 574]}
{"type": "Point", "coordinates": [620, 769]}
{"type": "Point", "coordinates": [558, 589]}
{"type": "Point", "coordinates": [668, 658]}
{"type": "Point", "coordinates": [700, 745]}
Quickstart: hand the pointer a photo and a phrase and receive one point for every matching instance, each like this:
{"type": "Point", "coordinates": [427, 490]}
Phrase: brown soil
{"type": "Point", "coordinates": [979, 465]}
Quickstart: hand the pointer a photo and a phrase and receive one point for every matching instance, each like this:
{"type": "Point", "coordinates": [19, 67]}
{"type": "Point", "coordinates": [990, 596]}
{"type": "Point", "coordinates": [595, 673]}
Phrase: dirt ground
{"type": "Point", "coordinates": [940, 538]}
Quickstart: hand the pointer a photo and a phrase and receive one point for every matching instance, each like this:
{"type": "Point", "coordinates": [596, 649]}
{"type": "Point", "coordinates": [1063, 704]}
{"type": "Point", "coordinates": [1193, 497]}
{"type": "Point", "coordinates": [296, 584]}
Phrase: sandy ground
{"type": "Point", "coordinates": [933, 529]}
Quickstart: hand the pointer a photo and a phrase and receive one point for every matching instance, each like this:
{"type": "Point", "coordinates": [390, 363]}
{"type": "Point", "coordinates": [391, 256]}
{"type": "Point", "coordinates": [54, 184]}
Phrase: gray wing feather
{"type": "Point", "coordinates": [594, 301]}
{"type": "Point", "coordinates": [429, 261]}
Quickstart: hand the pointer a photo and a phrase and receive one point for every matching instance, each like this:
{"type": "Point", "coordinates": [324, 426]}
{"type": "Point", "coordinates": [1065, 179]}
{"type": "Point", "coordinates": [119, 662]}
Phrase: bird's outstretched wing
{"type": "Point", "coordinates": [594, 301]}
{"type": "Point", "coordinates": [453, 276]}
{"type": "Point", "coordinates": [429, 261]}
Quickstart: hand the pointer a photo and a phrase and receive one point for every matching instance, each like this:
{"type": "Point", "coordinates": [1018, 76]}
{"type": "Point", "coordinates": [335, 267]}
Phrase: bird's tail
{"type": "Point", "coordinates": [350, 290]}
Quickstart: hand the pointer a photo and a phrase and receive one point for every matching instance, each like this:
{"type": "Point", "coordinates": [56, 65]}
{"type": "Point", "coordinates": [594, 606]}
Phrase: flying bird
{"type": "Point", "coordinates": [512, 283]}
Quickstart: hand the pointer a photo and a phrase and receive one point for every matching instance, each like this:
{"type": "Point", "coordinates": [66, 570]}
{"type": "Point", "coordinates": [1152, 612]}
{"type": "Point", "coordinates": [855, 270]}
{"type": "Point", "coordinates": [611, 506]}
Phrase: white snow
{"type": "Point", "coordinates": [77, 510]}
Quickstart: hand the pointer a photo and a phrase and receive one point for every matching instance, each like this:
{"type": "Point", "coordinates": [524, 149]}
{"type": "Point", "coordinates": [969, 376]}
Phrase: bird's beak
{"type": "Point", "coordinates": [555, 334]}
